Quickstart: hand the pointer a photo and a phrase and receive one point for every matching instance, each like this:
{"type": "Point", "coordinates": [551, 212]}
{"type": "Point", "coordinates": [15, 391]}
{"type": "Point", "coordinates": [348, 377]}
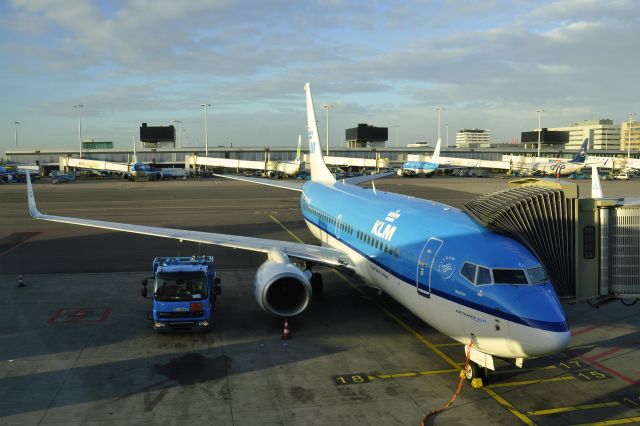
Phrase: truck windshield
{"type": "Point", "coordinates": [180, 286]}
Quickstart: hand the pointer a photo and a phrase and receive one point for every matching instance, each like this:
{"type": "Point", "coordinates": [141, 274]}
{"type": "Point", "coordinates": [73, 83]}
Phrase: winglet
{"type": "Point", "coordinates": [33, 210]}
{"type": "Point", "coordinates": [596, 189]}
{"type": "Point", "coordinates": [319, 170]}
{"type": "Point", "coordinates": [436, 151]}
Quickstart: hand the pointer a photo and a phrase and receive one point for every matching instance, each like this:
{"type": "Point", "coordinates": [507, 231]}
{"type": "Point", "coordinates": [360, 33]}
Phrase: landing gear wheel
{"type": "Point", "coordinates": [316, 286]}
{"type": "Point", "coordinates": [472, 371]}
{"type": "Point", "coordinates": [475, 374]}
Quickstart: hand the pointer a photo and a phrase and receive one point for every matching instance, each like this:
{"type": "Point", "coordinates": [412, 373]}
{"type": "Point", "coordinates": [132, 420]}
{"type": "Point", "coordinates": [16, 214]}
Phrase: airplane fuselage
{"type": "Point", "coordinates": [561, 167]}
{"type": "Point", "coordinates": [415, 250]}
{"type": "Point", "coordinates": [412, 168]}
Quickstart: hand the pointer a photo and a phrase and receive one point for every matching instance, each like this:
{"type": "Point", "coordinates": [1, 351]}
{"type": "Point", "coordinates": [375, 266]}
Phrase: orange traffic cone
{"type": "Point", "coordinates": [286, 334]}
{"type": "Point", "coordinates": [20, 282]}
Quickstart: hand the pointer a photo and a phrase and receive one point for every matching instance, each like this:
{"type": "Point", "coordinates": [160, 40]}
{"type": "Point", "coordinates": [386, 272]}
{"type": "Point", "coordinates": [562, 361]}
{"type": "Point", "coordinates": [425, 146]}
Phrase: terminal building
{"type": "Point", "coordinates": [603, 134]}
{"type": "Point", "coordinates": [630, 136]}
{"type": "Point", "coordinates": [473, 138]}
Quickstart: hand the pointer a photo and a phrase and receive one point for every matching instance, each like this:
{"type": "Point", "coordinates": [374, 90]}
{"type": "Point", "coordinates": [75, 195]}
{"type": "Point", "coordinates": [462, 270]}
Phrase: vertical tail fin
{"type": "Point", "coordinates": [582, 152]}
{"type": "Point", "coordinates": [297, 160]}
{"type": "Point", "coordinates": [596, 189]}
{"type": "Point", "coordinates": [319, 170]}
{"type": "Point", "coordinates": [436, 151]}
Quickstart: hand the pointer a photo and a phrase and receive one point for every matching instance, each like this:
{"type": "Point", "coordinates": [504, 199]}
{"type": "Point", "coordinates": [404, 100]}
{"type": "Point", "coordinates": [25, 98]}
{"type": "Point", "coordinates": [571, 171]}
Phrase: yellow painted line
{"type": "Point", "coordinates": [530, 382]}
{"type": "Point", "coordinates": [624, 421]}
{"type": "Point", "coordinates": [526, 420]}
{"type": "Point", "coordinates": [520, 370]}
{"type": "Point", "coordinates": [294, 236]}
{"type": "Point", "coordinates": [402, 324]}
{"type": "Point", "coordinates": [416, 373]}
{"type": "Point", "coordinates": [442, 345]}
{"type": "Point", "coordinates": [393, 376]}
{"type": "Point", "coordinates": [576, 408]}
{"type": "Point", "coordinates": [421, 338]}
{"type": "Point", "coordinates": [449, 370]}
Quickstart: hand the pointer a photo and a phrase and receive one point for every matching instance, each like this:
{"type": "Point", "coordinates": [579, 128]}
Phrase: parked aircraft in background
{"type": "Point", "coordinates": [481, 288]}
{"type": "Point", "coordinates": [426, 168]}
{"type": "Point", "coordinates": [559, 167]}
{"type": "Point", "coordinates": [131, 171]}
{"type": "Point", "coordinates": [17, 175]}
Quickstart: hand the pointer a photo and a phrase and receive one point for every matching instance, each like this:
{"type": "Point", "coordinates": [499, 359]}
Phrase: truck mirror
{"type": "Point", "coordinates": [217, 281]}
{"type": "Point", "coordinates": [218, 290]}
{"type": "Point", "coordinates": [144, 282]}
{"type": "Point", "coordinates": [143, 291]}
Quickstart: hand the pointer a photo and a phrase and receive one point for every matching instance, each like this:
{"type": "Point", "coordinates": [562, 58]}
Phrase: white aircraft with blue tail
{"type": "Point", "coordinates": [426, 168]}
{"type": "Point", "coordinates": [483, 289]}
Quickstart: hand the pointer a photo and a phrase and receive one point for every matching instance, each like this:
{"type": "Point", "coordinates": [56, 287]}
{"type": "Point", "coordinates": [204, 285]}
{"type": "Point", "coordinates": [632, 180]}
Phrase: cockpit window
{"type": "Point", "coordinates": [484, 276]}
{"type": "Point", "coordinates": [509, 276]}
{"type": "Point", "coordinates": [537, 275]}
{"type": "Point", "coordinates": [468, 271]}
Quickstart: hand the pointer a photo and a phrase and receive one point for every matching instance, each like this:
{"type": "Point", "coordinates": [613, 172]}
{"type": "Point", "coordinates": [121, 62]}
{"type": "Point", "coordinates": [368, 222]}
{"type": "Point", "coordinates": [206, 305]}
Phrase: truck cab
{"type": "Point", "coordinates": [184, 295]}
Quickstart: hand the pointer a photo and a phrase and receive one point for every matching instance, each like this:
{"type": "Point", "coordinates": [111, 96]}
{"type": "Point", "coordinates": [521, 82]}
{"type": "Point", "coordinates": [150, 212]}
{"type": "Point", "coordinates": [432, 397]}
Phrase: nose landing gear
{"type": "Point", "coordinates": [478, 376]}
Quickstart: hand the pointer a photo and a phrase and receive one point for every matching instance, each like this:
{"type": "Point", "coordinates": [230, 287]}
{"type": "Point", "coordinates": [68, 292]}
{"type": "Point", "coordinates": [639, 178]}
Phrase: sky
{"type": "Point", "coordinates": [490, 64]}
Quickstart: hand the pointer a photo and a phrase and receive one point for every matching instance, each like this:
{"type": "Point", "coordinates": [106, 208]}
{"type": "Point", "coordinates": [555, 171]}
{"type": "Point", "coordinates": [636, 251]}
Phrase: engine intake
{"type": "Point", "coordinates": [282, 288]}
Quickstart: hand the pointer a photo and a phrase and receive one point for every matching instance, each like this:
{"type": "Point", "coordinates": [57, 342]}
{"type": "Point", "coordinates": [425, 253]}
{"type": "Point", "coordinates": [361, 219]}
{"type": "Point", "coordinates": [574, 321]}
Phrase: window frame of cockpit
{"type": "Point", "coordinates": [475, 275]}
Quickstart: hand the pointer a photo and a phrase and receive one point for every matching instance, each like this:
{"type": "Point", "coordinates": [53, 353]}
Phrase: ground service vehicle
{"type": "Point", "coordinates": [184, 293]}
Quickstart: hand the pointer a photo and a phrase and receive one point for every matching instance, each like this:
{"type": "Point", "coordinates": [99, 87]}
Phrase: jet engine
{"type": "Point", "coordinates": [282, 288]}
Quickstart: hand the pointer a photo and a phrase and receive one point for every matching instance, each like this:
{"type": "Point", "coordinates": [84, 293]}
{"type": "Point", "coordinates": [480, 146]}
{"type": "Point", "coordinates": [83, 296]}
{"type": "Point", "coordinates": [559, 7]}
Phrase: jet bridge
{"type": "Point", "coordinates": [590, 247]}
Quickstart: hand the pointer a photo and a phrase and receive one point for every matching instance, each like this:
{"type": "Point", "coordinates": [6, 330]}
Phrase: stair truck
{"type": "Point", "coordinates": [184, 296]}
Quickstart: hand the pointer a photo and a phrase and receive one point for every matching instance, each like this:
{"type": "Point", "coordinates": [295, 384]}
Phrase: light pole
{"type": "Point", "coordinates": [206, 133]}
{"type": "Point", "coordinates": [440, 109]}
{"type": "Point", "coordinates": [446, 130]}
{"type": "Point", "coordinates": [539, 111]}
{"type": "Point", "coordinates": [79, 107]}
{"type": "Point", "coordinates": [327, 107]}
{"type": "Point", "coordinates": [631, 114]}
{"type": "Point", "coordinates": [174, 122]}
{"type": "Point", "coordinates": [16, 123]}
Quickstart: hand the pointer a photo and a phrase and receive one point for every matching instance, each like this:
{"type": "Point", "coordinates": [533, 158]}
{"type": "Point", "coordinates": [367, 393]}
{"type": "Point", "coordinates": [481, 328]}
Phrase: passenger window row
{"type": "Point", "coordinates": [378, 244]}
{"type": "Point", "coordinates": [329, 219]}
{"type": "Point", "coordinates": [369, 239]}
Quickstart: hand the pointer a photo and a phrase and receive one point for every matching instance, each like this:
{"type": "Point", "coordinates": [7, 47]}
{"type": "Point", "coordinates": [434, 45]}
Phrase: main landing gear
{"type": "Point", "coordinates": [316, 286]}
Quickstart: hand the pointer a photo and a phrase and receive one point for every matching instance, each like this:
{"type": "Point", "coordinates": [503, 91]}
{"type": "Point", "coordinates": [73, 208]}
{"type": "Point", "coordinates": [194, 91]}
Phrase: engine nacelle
{"type": "Point", "coordinates": [282, 288]}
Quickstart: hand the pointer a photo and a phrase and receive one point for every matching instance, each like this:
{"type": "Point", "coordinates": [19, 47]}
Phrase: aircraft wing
{"type": "Point", "coordinates": [366, 178]}
{"type": "Point", "coordinates": [291, 185]}
{"type": "Point", "coordinates": [316, 254]}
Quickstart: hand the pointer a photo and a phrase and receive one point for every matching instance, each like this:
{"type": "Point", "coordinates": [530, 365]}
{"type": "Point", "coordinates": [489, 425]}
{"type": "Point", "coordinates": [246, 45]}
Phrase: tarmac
{"type": "Point", "coordinates": [76, 347]}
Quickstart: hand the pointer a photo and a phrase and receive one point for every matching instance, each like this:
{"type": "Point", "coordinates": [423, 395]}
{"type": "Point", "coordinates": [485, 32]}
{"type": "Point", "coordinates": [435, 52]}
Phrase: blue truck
{"type": "Point", "coordinates": [184, 295]}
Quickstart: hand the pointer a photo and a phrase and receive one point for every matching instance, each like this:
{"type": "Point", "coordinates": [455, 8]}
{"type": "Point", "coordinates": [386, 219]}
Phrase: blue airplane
{"type": "Point", "coordinates": [14, 175]}
{"type": "Point", "coordinates": [483, 289]}
{"type": "Point", "coordinates": [426, 168]}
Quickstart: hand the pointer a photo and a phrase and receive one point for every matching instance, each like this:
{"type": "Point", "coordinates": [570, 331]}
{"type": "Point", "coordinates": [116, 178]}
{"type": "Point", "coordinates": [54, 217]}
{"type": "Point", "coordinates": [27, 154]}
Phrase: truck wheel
{"type": "Point", "coordinates": [316, 286]}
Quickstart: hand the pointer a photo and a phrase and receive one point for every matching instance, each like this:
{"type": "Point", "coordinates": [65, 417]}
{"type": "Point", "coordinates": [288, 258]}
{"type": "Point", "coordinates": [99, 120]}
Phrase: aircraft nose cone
{"type": "Point", "coordinates": [541, 325]}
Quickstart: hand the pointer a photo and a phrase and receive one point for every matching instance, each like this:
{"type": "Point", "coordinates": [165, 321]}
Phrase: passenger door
{"type": "Point", "coordinates": [425, 266]}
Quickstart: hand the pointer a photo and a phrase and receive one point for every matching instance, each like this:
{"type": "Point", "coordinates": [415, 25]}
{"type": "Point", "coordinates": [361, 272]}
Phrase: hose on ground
{"type": "Point", "coordinates": [455, 395]}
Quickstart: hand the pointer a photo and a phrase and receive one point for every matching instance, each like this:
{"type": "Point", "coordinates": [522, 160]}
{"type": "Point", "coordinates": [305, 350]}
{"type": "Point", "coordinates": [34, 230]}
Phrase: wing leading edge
{"type": "Point", "coordinates": [316, 254]}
